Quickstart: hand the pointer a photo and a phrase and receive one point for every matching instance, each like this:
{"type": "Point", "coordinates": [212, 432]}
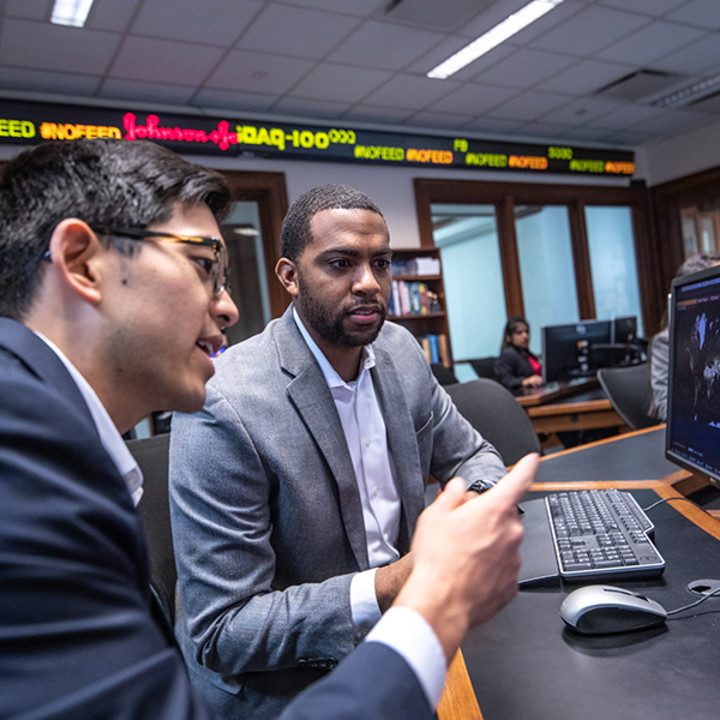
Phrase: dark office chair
{"type": "Point", "coordinates": [151, 455]}
{"type": "Point", "coordinates": [630, 393]}
{"type": "Point", "coordinates": [444, 375]}
{"type": "Point", "coordinates": [484, 367]}
{"type": "Point", "coordinates": [497, 416]}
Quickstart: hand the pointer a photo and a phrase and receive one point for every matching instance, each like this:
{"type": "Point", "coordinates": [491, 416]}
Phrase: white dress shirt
{"type": "Point", "coordinates": [109, 436]}
{"type": "Point", "coordinates": [364, 427]}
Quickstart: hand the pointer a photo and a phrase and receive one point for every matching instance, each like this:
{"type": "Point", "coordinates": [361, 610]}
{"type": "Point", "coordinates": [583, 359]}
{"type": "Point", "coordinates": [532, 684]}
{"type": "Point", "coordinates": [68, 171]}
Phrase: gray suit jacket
{"type": "Point", "coordinates": [267, 518]}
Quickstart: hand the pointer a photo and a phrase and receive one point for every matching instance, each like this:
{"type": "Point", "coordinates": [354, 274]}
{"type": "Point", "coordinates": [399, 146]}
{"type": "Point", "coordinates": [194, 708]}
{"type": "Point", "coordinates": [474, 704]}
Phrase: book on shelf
{"type": "Point", "coordinates": [416, 266]}
{"type": "Point", "coordinates": [435, 348]}
{"type": "Point", "coordinates": [412, 298]}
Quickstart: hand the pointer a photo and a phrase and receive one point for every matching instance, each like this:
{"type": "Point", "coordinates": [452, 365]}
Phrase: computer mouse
{"type": "Point", "coordinates": [603, 609]}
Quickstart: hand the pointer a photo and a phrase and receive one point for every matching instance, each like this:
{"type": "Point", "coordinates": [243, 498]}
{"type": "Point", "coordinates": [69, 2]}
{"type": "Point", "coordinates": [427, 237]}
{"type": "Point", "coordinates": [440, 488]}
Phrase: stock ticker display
{"type": "Point", "coordinates": [31, 123]}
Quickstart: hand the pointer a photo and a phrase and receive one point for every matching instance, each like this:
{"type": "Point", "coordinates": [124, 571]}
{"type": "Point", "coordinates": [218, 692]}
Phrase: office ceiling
{"type": "Point", "coordinates": [586, 73]}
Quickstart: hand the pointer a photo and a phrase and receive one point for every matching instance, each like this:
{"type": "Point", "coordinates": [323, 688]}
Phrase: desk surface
{"type": "Point", "coordinates": [635, 456]}
{"type": "Point", "coordinates": [525, 663]}
{"type": "Point", "coordinates": [552, 392]}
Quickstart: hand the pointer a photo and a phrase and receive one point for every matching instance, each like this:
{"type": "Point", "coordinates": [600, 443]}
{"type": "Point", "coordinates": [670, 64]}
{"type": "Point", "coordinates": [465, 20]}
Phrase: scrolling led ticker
{"type": "Point", "coordinates": [30, 123]}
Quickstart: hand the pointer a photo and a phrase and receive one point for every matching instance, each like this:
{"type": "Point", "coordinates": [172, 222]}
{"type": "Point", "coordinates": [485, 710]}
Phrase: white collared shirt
{"type": "Point", "coordinates": [109, 436]}
{"type": "Point", "coordinates": [364, 427]}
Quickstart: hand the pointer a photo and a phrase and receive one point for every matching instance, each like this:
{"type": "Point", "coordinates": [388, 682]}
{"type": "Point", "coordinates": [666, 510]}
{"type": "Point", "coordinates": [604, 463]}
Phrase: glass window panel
{"type": "Point", "coordinates": [612, 262]}
{"type": "Point", "coordinates": [546, 268]}
{"type": "Point", "coordinates": [475, 299]}
{"type": "Point", "coordinates": [248, 279]}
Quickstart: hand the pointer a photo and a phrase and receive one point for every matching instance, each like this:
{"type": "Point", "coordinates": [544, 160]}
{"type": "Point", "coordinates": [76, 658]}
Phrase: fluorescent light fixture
{"type": "Point", "coordinates": [492, 38]}
{"type": "Point", "coordinates": [688, 92]}
{"type": "Point", "coordinates": [70, 12]}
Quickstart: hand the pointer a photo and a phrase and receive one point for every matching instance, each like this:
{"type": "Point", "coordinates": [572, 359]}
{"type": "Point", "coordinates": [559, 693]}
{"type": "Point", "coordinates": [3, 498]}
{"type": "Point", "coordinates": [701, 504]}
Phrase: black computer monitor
{"type": "Point", "coordinates": [692, 437]}
{"type": "Point", "coordinates": [567, 350]}
{"type": "Point", "coordinates": [624, 330]}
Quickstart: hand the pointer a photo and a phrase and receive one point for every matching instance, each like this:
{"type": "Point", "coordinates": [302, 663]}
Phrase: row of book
{"type": "Point", "coordinates": [416, 266]}
{"type": "Point", "coordinates": [436, 348]}
{"type": "Point", "coordinates": [412, 298]}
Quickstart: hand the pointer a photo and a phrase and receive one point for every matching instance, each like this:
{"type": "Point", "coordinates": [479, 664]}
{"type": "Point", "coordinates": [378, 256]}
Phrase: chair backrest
{"type": "Point", "coordinates": [484, 367]}
{"type": "Point", "coordinates": [151, 455]}
{"type": "Point", "coordinates": [444, 375]}
{"type": "Point", "coordinates": [497, 416]}
{"type": "Point", "coordinates": [630, 393]}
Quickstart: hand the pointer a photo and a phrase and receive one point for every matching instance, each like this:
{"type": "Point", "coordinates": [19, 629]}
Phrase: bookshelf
{"type": "Point", "coordinates": [418, 300]}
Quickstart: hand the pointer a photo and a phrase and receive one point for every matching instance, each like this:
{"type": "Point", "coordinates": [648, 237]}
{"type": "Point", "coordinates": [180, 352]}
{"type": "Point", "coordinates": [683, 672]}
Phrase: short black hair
{"type": "Point", "coordinates": [296, 233]}
{"type": "Point", "coordinates": [112, 183]}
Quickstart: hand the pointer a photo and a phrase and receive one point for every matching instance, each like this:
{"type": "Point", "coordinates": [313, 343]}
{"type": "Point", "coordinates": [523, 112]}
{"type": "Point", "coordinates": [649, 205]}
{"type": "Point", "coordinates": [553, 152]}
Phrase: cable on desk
{"type": "Point", "coordinates": [714, 593]}
{"type": "Point", "coordinates": [664, 500]}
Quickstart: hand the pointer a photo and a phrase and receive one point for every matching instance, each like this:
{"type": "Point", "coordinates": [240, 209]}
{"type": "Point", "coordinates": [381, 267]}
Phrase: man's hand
{"type": "Point", "coordinates": [465, 555]}
{"type": "Point", "coordinates": [389, 579]}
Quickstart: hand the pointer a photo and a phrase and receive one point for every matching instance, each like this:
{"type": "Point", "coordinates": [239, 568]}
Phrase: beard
{"type": "Point", "coordinates": [328, 324]}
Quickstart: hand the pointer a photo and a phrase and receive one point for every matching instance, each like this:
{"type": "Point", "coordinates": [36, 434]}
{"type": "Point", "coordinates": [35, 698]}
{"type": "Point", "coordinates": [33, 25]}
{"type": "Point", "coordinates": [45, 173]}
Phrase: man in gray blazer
{"type": "Point", "coordinates": [295, 492]}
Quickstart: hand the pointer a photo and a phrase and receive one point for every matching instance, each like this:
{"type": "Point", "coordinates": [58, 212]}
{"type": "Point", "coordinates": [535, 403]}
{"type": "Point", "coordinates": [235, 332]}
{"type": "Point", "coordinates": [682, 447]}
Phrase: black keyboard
{"type": "Point", "coordinates": [600, 534]}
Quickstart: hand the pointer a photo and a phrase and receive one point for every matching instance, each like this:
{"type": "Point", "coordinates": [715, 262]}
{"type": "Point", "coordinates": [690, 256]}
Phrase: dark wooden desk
{"type": "Point", "coordinates": [525, 663]}
{"type": "Point", "coordinates": [564, 407]}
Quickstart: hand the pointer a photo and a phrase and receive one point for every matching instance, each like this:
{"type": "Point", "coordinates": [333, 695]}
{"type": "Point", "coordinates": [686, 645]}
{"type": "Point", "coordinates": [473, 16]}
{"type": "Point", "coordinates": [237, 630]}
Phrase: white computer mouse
{"type": "Point", "coordinates": [603, 609]}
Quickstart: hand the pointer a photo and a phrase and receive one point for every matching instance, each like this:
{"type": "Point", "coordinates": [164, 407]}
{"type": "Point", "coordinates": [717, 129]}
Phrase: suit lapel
{"type": "Point", "coordinates": [402, 445]}
{"type": "Point", "coordinates": [309, 393]}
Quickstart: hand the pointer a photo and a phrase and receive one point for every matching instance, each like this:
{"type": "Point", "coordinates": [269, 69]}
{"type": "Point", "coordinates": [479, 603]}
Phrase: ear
{"type": "Point", "coordinates": [76, 254]}
{"type": "Point", "coordinates": [287, 272]}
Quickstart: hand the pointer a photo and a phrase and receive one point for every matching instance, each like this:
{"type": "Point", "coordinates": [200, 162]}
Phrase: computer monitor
{"type": "Point", "coordinates": [567, 349]}
{"type": "Point", "coordinates": [692, 437]}
{"type": "Point", "coordinates": [624, 330]}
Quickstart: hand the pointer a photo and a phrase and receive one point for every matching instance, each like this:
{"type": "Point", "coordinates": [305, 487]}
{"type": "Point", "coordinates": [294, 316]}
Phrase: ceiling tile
{"type": "Point", "coordinates": [257, 72]}
{"type": "Point", "coordinates": [585, 77]}
{"type": "Point", "coordinates": [214, 22]}
{"type": "Point", "coordinates": [164, 60]}
{"type": "Point", "coordinates": [657, 8]}
{"type": "Point", "coordinates": [233, 100]}
{"type": "Point", "coordinates": [384, 45]}
{"type": "Point", "coordinates": [29, 9]}
{"type": "Point", "coordinates": [693, 59]}
{"type": "Point", "coordinates": [109, 15]}
{"type": "Point", "coordinates": [583, 110]}
{"type": "Point", "coordinates": [359, 8]}
{"type": "Point", "coordinates": [410, 91]}
{"type": "Point", "coordinates": [299, 31]}
{"type": "Point", "coordinates": [442, 121]}
{"type": "Point", "coordinates": [302, 107]}
{"type": "Point", "coordinates": [529, 106]}
{"type": "Point", "coordinates": [589, 31]}
{"type": "Point", "coordinates": [651, 42]}
{"type": "Point", "coordinates": [493, 126]}
{"type": "Point", "coordinates": [448, 47]}
{"type": "Point", "coordinates": [49, 82]}
{"type": "Point", "coordinates": [374, 114]}
{"type": "Point", "coordinates": [146, 92]}
{"type": "Point", "coordinates": [701, 13]}
{"type": "Point", "coordinates": [53, 47]}
{"type": "Point", "coordinates": [331, 81]}
{"type": "Point", "coordinates": [473, 99]}
{"type": "Point", "coordinates": [526, 68]}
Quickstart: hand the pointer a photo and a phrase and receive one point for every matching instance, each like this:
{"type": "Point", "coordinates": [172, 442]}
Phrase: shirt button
{"type": "Point", "coordinates": [375, 492]}
{"type": "Point", "coordinates": [366, 442]}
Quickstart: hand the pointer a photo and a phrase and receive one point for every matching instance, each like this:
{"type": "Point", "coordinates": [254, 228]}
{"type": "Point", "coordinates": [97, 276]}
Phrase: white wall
{"type": "Point", "coordinates": [685, 155]}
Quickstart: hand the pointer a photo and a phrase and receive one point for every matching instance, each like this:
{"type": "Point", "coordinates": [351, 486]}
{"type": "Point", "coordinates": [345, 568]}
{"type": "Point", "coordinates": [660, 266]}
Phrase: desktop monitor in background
{"type": "Point", "coordinates": [624, 330]}
{"type": "Point", "coordinates": [692, 437]}
{"type": "Point", "coordinates": [567, 349]}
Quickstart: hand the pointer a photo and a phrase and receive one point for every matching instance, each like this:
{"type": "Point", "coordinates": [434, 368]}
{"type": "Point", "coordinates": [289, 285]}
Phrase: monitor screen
{"type": "Point", "coordinates": [567, 349]}
{"type": "Point", "coordinates": [693, 422]}
{"type": "Point", "coordinates": [624, 330]}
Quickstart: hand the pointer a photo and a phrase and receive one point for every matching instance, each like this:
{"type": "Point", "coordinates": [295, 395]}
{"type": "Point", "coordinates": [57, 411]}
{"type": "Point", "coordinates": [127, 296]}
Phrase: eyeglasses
{"type": "Point", "coordinates": [219, 267]}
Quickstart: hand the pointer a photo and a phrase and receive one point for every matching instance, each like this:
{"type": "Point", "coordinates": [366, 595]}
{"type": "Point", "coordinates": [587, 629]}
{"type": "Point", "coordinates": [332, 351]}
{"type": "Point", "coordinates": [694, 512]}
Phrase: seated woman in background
{"type": "Point", "coordinates": [517, 367]}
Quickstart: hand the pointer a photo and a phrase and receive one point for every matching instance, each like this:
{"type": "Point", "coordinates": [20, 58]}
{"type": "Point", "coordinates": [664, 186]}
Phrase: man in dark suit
{"type": "Point", "coordinates": [112, 299]}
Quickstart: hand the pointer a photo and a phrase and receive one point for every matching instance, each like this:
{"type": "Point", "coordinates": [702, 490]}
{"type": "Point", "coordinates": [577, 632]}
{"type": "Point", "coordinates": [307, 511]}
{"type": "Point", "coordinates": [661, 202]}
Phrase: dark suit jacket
{"type": "Point", "coordinates": [512, 367]}
{"type": "Point", "coordinates": [77, 640]}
